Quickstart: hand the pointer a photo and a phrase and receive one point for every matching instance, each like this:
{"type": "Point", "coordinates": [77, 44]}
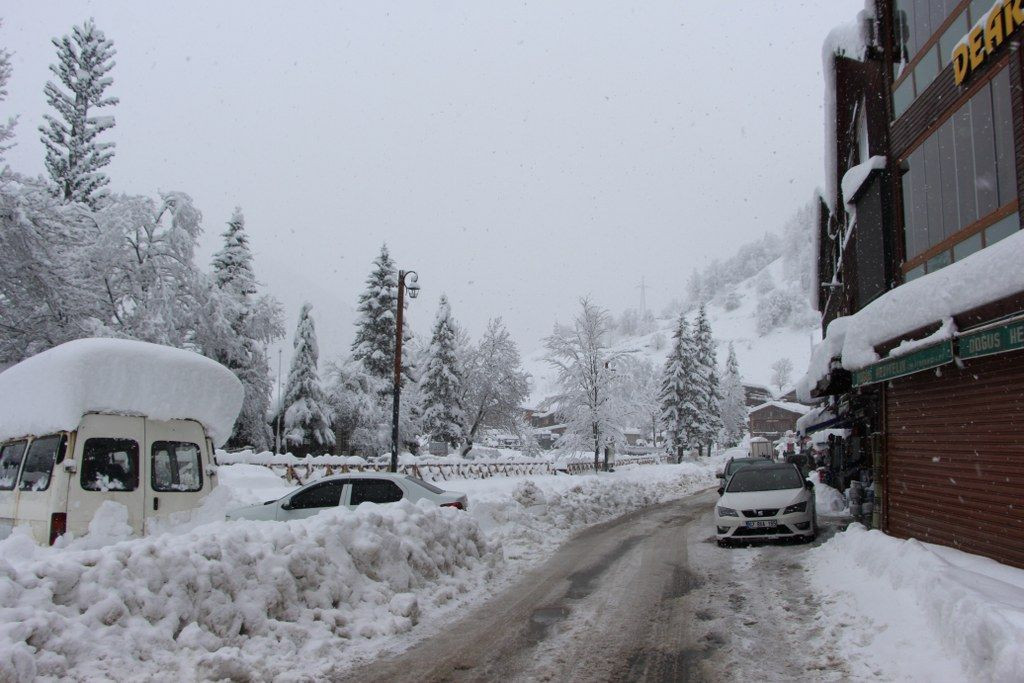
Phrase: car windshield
{"type": "Point", "coordinates": [744, 462]}
{"type": "Point", "coordinates": [426, 485]}
{"type": "Point", "coordinates": [765, 479]}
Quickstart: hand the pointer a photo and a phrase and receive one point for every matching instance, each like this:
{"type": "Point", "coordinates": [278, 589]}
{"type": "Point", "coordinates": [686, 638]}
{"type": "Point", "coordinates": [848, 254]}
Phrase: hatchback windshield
{"type": "Point", "coordinates": [765, 479]}
{"type": "Point", "coordinates": [745, 462]}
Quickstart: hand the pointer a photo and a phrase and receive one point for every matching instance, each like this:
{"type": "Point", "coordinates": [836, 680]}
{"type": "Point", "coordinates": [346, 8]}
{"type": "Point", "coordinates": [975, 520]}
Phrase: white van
{"type": "Point", "coordinates": [146, 421]}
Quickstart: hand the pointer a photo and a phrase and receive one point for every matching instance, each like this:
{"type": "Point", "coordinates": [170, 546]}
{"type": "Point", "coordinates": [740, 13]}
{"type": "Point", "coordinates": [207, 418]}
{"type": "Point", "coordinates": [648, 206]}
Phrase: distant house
{"type": "Point", "coordinates": [756, 394]}
{"type": "Point", "coordinates": [772, 419]}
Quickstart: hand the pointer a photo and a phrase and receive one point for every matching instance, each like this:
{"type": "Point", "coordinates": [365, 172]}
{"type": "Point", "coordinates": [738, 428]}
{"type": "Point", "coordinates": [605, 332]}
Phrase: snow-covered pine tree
{"type": "Point", "coordinates": [74, 156]}
{"type": "Point", "coordinates": [709, 393]}
{"type": "Point", "coordinates": [734, 405]}
{"type": "Point", "coordinates": [6, 129]}
{"type": "Point", "coordinates": [442, 382]}
{"type": "Point", "coordinates": [680, 414]}
{"type": "Point", "coordinates": [253, 322]}
{"type": "Point", "coordinates": [307, 418]}
{"type": "Point", "coordinates": [374, 345]}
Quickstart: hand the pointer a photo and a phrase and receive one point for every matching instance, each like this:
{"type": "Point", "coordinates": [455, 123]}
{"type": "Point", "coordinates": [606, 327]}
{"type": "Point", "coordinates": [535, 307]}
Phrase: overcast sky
{"type": "Point", "coordinates": [517, 155]}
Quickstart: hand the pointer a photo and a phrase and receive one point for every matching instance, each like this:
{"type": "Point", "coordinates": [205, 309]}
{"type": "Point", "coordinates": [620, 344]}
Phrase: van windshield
{"type": "Point", "coordinates": [10, 463]}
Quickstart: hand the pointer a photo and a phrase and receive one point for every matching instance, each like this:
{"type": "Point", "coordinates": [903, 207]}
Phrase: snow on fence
{"type": "Point", "coordinates": [309, 468]}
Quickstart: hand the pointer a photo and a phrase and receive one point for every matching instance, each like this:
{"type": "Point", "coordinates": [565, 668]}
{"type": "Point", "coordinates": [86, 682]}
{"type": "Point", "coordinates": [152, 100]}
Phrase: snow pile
{"type": "Point", "coordinates": [929, 300]}
{"type": "Point", "coordinates": [51, 391]}
{"type": "Point", "coordinates": [827, 500]}
{"type": "Point", "coordinates": [233, 598]}
{"type": "Point", "coordinates": [854, 178]}
{"type": "Point", "coordinates": [933, 610]}
{"type": "Point", "coordinates": [267, 458]}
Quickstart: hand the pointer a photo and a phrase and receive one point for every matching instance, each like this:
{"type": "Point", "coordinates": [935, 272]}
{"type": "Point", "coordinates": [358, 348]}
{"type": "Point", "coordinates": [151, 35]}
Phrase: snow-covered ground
{"type": "Point", "coordinates": [905, 610]}
{"type": "Point", "coordinates": [267, 599]}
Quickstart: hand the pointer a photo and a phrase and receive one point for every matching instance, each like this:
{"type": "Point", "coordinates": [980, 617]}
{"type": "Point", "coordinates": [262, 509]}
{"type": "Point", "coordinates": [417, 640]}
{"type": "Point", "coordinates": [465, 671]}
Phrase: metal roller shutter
{"type": "Point", "coordinates": [954, 467]}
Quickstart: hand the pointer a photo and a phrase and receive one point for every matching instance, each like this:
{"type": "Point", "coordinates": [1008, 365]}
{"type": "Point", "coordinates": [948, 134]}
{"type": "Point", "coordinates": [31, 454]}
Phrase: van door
{"type": "Point", "coordinates": [175, 480]}
{"type": "Point", "coordinates": [108, 455]}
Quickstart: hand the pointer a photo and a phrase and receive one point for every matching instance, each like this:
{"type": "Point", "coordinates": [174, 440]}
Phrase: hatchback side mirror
{"type": "Point", "coordinates": [809, 485]}
{"type": "Point", "coordinates": [721, 490]}
{"type": "Point", "coordinates": [287, 505]}
{"type": "Point", "coordinates": [720, 475]}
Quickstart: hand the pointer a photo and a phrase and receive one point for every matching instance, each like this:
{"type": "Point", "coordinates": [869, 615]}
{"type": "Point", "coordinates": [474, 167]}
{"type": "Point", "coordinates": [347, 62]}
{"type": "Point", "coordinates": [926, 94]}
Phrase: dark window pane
{"type": "Point", "coordinates": [324, 495]}
{"type": "Point", "coordinates": [920, 230]}
{"type": "Point", "coordinates": [984, 152]}
{"type": "Point", "coordinates": [110, 465]}
{"type": "Point", "coordinates": [947, 175]}
{"type": "Point", "coordinates": [951, 37]}
{"type": "Point", "coordinates": [914, 273]}
{"type": "Point", "coordinates": [374, 491]}
{"type": "Point", "coordinates": [940, 261]}
{"type": "Point", "coordinates": [927, 69]}
{"type": "Point", "coordinates": [963, 141]}
{"type": "Point", "coordinates": [903, 96]}
{"type": "Point", "coordinates": [1002, 229]}
{"type": "Point", "coordinates": [922, 23]}
{"type": "Point", "coordinates": [1002, 116]}
{"type": "Point", "coordinates": [42, 454]}
{"type": "Point", "coordinates": [176, 466]}
{"type": "Point", "coordinates": [908, 212]}
{"type": "Point", "coordinates": [979, 9]}
{"type": "Point", "coordinates": [10, 463]}
{"type": "Point", "coordinates": [964, 249]}
{"type": "Point", "coordinates": [933, 200]}
{"type": "Point", "coordinates": [905, 28]}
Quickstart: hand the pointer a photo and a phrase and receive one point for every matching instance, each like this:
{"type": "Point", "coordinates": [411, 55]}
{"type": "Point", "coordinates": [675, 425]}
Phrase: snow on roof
{"type": "Point", "coordinates": [784, 405]}
{"type": "Point", "coordinates": [928, 300]}
{"type": "Point", "coordinates": [855, 176]}
{"type": "Point", "coordinates": [51, 391]}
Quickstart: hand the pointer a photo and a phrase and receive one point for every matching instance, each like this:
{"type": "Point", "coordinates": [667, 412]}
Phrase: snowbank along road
{"type": "Point", "coordinates": [647, 596]}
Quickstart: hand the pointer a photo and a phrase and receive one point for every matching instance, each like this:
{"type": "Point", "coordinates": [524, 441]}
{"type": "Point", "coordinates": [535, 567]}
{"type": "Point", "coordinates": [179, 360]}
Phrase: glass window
{"type": "Point", "coordinates": [10, 463]}
{"type": "Point", "coordinates": [920, 204]}
{"type": "Point", "coordinates": [110, 465]}
{"type": "Point", "coordinates": [1002, 117]}
{"type": "Point", "coordinates": [903, 96]}
{"type": "Point", "coordinates": [908, 213]}
{"type": "Point", "coordinates": [927, 69]}
{"type": "Point", "coordinates": [1003, 228]}
{"type": "Point", "coordinates": [951, 37]}
{"type": "Point", "coordinates": [979, 9]}
{"type": "Point", "coordinates": [922, 24]}
{"type": "Point", "coordinates": [765, 479]}
{"type": "Point", "coordinates": [427, 485]}
{"type": "Point", "coordinates": [940, 261]}
{"type": "Point", "coordinates": [984, 152]}
{"type": "Point", "coordinates": [963, 137]}
{"type": "Point", "coordinates": [967, 247]}
{"type": "Point", "coordinates": [914, 273]}
{"type": "Point", "coordinates": [176, 466]}
{"type": "Point", "coordinates": [42, 454]}
{"type": "Point", "coordinates": [325, 494]}
{"type": "Point", "coordinates": [933, 197]}
{"type": "Point", "coordinates": [374, 491]}
{"type": "Point", "coordinates": [904, 28]}
{"type": "Point", "coordinates": [947, 180]}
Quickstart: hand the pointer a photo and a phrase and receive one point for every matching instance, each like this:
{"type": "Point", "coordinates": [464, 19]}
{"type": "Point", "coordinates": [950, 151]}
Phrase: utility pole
{"type": "Point", "coordinates": [414, 290]}
{"type": "Point", "coordinates": [280, 407]}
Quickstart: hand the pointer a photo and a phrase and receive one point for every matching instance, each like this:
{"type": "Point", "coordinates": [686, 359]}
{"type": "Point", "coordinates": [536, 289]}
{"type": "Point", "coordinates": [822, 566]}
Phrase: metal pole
{"type": "Point", "coordinates": [280, 408]}
{"type": "Point", "coordinates": [396, 395]}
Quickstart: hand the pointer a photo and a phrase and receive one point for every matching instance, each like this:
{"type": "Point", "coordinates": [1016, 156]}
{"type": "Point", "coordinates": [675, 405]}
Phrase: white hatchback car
{"type": "Point", "coordinates": [350, 490]}
{"type": "Point", "coordinates": [766, 502]}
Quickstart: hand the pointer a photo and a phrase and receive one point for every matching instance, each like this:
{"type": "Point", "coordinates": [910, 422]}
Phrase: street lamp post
{"type": "Point", "coordinates": [414, 290]}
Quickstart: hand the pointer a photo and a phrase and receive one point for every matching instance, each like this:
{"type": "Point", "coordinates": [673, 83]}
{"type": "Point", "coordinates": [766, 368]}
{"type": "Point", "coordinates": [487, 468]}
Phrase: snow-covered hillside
{"type": "Point", "coordinates": [738, 314]}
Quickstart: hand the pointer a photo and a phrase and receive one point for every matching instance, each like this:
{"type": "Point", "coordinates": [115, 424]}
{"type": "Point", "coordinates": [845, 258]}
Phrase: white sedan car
{"type": "Point", "coordinates": [350, 490]}
{"type": "Point", "coordinates": [766, 502]}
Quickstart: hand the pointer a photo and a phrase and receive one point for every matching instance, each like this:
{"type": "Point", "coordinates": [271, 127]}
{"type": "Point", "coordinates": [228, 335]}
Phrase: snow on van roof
{"type": "Point", "coordinates": [51, 391]}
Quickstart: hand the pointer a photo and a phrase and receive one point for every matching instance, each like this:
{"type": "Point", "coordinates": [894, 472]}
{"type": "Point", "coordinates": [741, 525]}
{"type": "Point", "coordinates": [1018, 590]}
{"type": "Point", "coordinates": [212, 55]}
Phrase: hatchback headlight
{"type": "Point", "coordinates": [727, 512]}
{"type": "Point", "coordinates": [797, 507]}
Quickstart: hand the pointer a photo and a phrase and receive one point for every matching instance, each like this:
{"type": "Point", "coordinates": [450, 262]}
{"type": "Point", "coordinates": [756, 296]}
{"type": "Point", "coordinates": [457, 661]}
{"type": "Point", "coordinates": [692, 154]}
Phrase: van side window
{"type": "Point", "coordinates": [110, 465]}
{"type": "Point", "coordinates": [176, 466]}
{"type": "Point", "coordinates": [42, 454]}
{"type": "Point", "coordinates": [10, 462]}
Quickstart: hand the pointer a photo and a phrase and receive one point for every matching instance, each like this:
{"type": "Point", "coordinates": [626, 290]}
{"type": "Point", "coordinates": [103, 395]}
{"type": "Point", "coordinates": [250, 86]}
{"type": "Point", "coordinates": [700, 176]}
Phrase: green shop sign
{"type": "Point", "coordinates": [929, 357]}
{"type": "Point", "coordinates": [1007, 337]}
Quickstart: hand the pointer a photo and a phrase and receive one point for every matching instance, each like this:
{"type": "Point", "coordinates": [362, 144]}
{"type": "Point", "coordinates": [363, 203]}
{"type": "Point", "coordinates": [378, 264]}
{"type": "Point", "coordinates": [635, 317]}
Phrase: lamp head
{"type": "Point", "coordinates": [413, 286]}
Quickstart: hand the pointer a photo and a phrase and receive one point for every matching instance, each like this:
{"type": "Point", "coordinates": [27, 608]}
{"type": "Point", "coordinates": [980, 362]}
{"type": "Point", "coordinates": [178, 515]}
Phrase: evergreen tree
{"type": "Point", "coordinates": [733, 404]}
{"type": "Point", "coordinates": [374, 345]}
{"type": "Point", "coordinates": [6, 129]}
{"type": "Point", "coordinates": [709, 393]}
{"type": "Point", "coordinates": [74, 156]}
{"type": "Point", "coordinates": [253, 323]}
{"type": "Point", "coordinates": [307, 418]}
{"type": "Point", "coordinates": [442, 383]}
{"type": "Point", "coordinates": [680, 412]}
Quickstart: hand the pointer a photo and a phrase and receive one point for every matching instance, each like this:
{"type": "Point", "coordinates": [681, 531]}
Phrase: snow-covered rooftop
{"type": "Point", "coordinates": [51, 391]}
{"type": "Point", "coordinates": [987, 275]}
{"type": "Point", "coordinates": [784, 405]}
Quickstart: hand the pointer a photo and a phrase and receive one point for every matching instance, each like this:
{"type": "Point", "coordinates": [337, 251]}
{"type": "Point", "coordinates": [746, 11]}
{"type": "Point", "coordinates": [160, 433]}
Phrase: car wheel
{"type": "Point", "coordinates": [723, 543]}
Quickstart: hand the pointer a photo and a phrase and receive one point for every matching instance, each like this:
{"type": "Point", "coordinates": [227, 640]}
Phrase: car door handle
{"type": "Point", "coordinates": [156, 503]}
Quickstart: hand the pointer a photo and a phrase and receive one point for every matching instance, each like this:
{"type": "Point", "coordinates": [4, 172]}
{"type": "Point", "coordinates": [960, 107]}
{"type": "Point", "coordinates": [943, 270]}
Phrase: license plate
{"type": "Point", "coordinates": [762, 524]}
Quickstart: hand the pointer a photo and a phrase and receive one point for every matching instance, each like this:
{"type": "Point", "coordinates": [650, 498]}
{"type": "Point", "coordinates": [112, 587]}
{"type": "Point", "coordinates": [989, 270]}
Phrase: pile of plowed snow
{"type": "Point", "coordinates": [258, 600]}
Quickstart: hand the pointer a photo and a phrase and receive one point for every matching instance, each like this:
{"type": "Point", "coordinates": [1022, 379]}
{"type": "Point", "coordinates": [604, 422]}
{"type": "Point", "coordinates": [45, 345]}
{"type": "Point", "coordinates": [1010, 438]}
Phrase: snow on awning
{"type": "Point", "coordinates": [51, 391]}
{"type": "Point", "coordinates": [856, 176]}
{"type": "Point", "coordinates": [987, 275]}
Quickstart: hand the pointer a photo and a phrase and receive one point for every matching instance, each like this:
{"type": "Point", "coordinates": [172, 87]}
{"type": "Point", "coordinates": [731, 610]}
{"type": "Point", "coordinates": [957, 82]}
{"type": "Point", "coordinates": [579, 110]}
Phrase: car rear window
{"type": "Point", "coordinates": [374, 491]}
{"type": "Point", "coordinates": [427, 485]}
{"type": "Point", "coordinates": [765, 479]}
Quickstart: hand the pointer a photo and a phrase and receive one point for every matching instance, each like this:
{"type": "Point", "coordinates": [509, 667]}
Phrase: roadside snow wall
{"type": "Point", "coordinates": [51, 391]}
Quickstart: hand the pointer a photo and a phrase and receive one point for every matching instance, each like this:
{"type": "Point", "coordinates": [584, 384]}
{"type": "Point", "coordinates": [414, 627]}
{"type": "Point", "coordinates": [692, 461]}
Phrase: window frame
{"type": "Point", "coordinates": [138, 465]}
{"type": "Point", "coordinates": [58, 456]}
